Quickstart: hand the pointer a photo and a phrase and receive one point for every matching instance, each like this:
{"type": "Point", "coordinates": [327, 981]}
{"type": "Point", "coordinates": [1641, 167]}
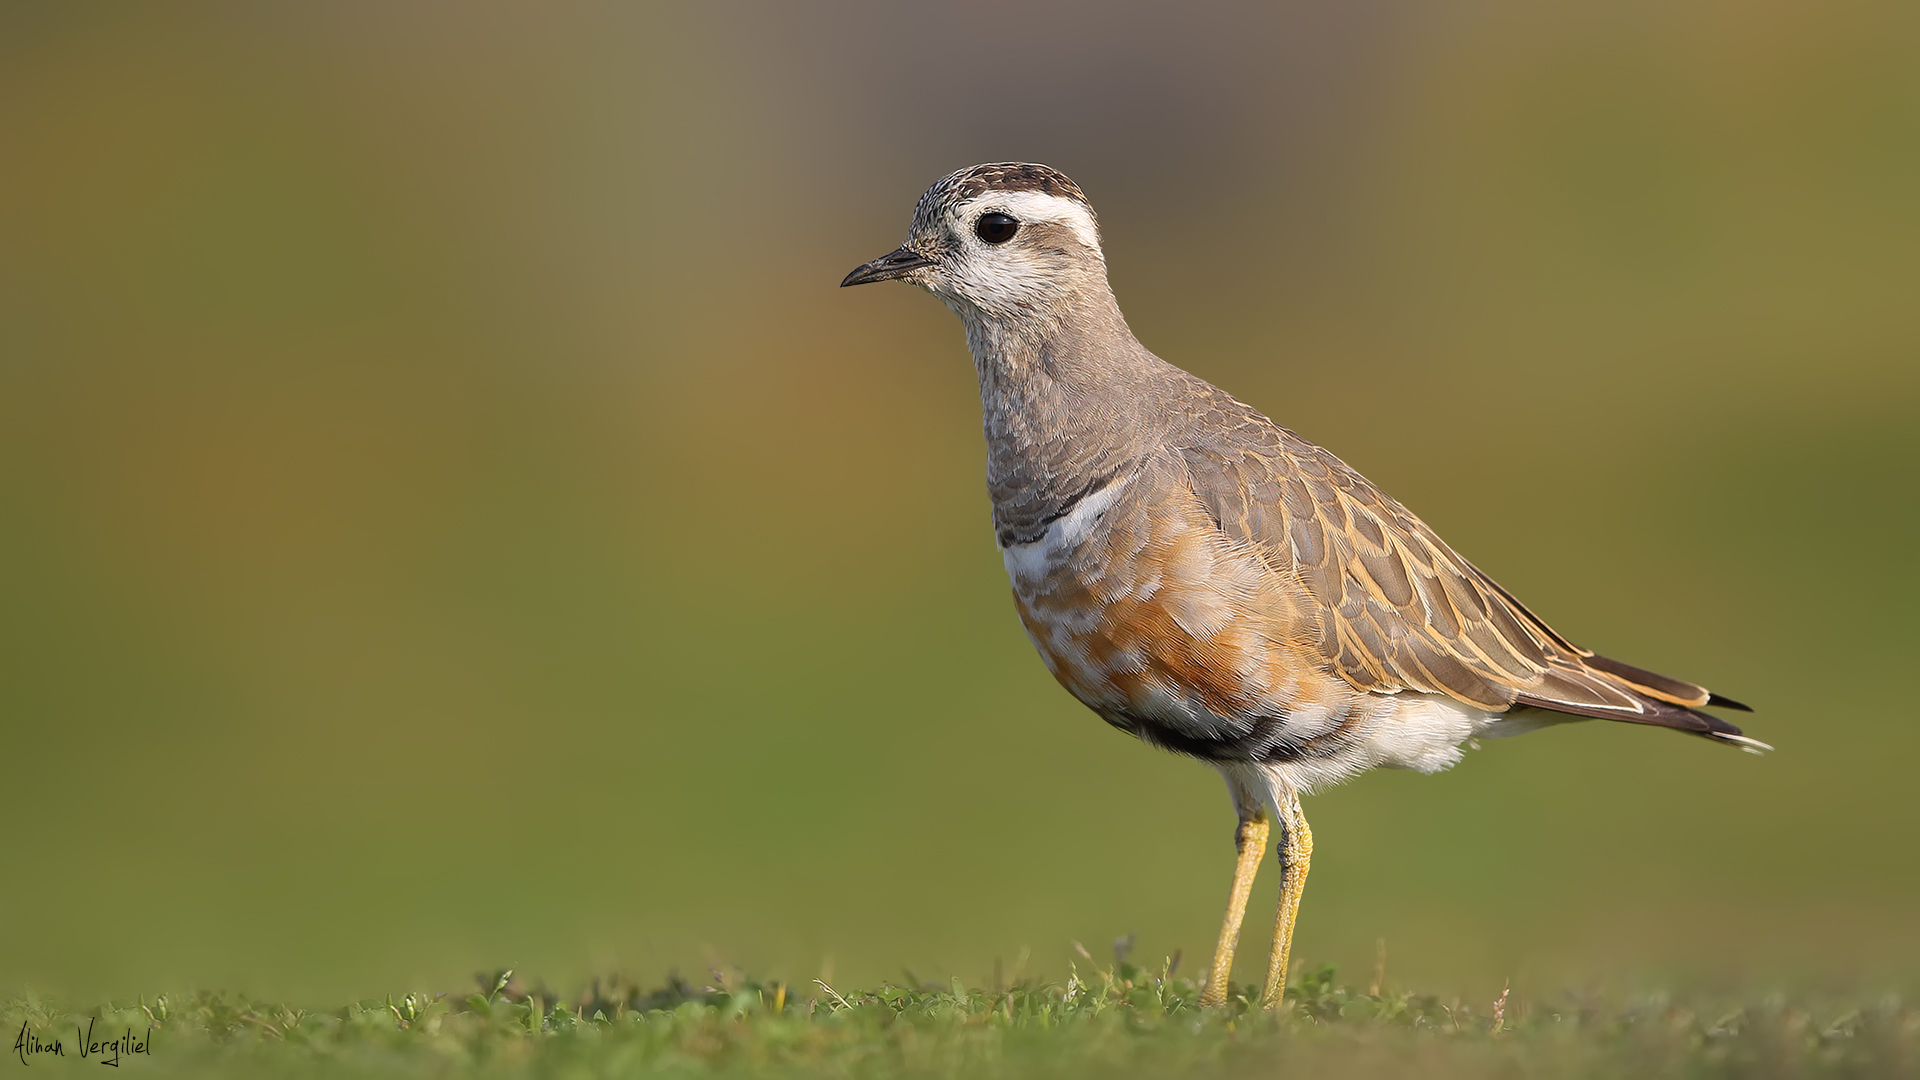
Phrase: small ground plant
{"type": "Point", "coordinates": [1113, 1020]}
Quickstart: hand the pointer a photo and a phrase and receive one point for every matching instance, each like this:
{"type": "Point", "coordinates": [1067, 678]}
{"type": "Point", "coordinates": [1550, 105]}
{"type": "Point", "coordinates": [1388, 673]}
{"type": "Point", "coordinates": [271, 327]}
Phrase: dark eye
{"type": "Point", "coordinates": [995, 228]}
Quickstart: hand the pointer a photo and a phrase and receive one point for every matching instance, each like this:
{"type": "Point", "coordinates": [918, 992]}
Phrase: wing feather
{"type": "Point", "coordinates": [1400, 610]}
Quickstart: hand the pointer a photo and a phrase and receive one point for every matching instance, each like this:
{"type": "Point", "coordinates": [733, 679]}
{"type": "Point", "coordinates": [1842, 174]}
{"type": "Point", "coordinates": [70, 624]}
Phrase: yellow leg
{"type": "Point", "coordinates": [1296, 854]}
{"type": "Point", "coordinates": [1251, 840]}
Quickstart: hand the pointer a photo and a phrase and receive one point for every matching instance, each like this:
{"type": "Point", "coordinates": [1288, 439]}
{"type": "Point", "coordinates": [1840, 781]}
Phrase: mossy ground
{"type": "Point", "coordinates": [1120, 1020]}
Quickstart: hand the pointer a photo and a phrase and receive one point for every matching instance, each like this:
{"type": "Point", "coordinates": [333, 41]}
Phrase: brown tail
{"type": "Point", "coordinates": [1659, 700]}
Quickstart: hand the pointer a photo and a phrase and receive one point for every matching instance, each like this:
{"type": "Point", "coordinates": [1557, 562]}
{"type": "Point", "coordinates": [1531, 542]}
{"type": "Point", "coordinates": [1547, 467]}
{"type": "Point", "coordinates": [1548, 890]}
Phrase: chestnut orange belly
{"type": "Point", "coordinates": [1157, 621]}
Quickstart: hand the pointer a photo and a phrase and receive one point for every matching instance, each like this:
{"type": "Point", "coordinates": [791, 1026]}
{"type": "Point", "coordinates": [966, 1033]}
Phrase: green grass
{"type": "Point", "coordinates": [1123, 1020]}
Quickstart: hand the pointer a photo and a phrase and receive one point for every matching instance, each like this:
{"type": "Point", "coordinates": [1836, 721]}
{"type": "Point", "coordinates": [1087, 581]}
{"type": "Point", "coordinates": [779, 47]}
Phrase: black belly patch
{"type": "Point", "coordinates": [1259, 739]}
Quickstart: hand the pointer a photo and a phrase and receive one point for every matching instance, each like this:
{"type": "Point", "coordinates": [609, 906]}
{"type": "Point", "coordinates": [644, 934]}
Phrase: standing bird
{"type": "Point", "coordinates": [1208, 581]}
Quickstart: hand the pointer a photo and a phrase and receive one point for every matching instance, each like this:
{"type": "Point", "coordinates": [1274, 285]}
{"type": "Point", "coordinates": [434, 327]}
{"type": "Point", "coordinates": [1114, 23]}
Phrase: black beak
{"type": "Point", "coordinates": [887, 267]}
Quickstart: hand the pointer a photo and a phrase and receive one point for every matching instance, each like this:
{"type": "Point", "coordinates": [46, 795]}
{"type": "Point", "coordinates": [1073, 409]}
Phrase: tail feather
{"type": "Point", "coordinates": [1656, 700]}
{"type": "Point", "coordinates": [1652, 684]}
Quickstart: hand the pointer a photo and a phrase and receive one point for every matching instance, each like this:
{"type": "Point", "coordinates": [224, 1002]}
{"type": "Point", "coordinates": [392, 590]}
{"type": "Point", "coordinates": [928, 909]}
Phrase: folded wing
{"type": "Point", "coordinates": [1402, 610]}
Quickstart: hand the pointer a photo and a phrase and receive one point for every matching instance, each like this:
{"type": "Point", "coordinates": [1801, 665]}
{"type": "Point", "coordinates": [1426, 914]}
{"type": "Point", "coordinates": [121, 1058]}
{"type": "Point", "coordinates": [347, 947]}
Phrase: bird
{"type": "Point", "coordinates": [1211, 582]}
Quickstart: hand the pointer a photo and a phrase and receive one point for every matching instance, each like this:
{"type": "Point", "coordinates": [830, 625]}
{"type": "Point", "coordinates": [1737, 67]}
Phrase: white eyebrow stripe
{"type": "Point", "coordinates": [1039, 206]}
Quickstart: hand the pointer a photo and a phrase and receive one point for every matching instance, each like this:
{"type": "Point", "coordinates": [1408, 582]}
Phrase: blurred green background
{"type": "Point", "coordinates": [451, 517]}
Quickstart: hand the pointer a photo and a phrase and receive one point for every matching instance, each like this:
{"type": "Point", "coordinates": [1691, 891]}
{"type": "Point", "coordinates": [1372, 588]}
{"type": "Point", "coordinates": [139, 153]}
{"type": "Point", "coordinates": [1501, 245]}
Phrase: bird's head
{"type": "Point", "coordinates": [1006, 242]}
